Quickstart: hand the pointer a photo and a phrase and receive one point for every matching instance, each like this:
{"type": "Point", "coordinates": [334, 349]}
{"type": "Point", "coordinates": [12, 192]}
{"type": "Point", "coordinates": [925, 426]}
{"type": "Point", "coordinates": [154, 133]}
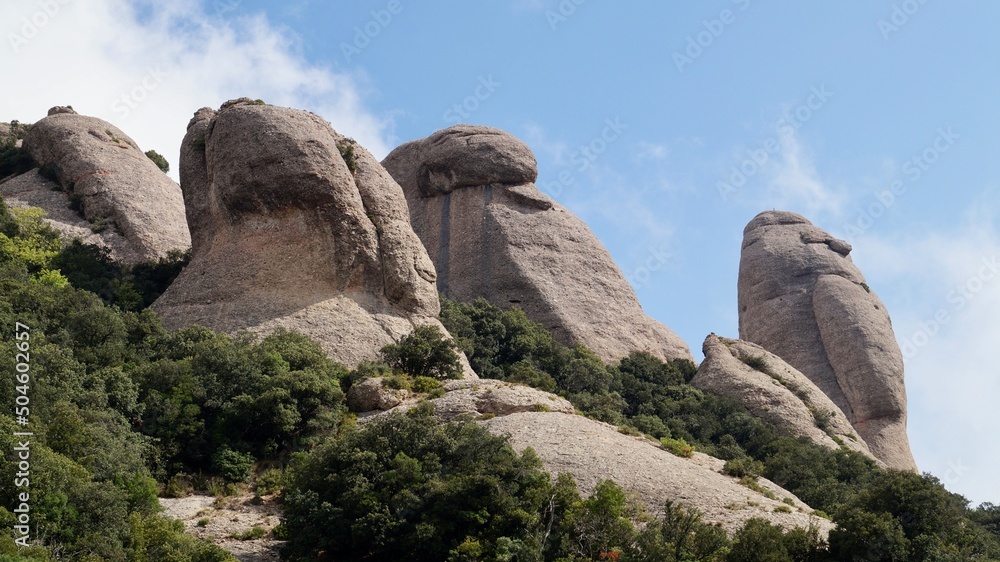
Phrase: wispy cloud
{"type": "Point", "coordinates": [147, 66]}
{"type": "Point", "coordinates": [943, 290]}
{"type": "Point", "coordinates": [793, 181]}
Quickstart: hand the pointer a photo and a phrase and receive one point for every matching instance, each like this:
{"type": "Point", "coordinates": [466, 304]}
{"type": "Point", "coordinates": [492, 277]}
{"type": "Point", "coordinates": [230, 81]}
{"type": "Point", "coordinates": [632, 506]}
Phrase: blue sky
{"type": "Point", "coordinates": [876, 120]}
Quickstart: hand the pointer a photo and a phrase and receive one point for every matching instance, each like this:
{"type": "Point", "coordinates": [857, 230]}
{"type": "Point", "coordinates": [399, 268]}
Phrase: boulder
{"type": "Point", "coordinates": [592, 451]}
{"type": "Point", "coordinates": [296, 226]}
{"type": "Point", "coordinates": [802, 298]}
{"type": "Point", "coordinates": [371, 395]}
{"type": "Point", "coordinates": [481, 398]}
{"type": "Point", "coordinates": [773, 390]}
{"type": "Point", "coordinates": [495, 398]}
{"type": "Point", "coordinates": [491, 233]}
{"type": "Point", "coordinates": [108, 180]}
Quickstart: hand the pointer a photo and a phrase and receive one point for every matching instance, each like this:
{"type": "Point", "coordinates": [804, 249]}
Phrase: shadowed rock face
{"type": "Point", "coordinates": [112, 182]}
{"type": "Point", "coordinates": [491, 233]}
{"type": "Point", "coordinates": [802, 298]}
{"type": "Point", "coordinates": [773, 390]}
{"type": "Point", "coordinates": [294, 225]}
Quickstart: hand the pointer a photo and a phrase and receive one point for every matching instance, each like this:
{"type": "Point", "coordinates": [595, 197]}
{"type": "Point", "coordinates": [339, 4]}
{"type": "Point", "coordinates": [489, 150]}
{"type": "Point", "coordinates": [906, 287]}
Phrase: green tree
{"type": "Point", "coordinates": [425, 352]}
{"type": "Point", "coordinates": [408, 488]}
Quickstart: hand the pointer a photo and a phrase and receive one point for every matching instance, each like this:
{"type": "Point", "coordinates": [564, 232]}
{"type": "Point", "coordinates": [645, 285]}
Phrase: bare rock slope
{"type": "Point", "coordinates": [593, 451]}
{"type": "Point", "coordinates": [491, 233]}
{"type": "Point", "coordinates": [802, 298]}
{"type": "Point", "coordinates": [294, 225]}
{"type": "Point", "coordinates": [110, 183]}
{"type": "Point", "coordinates": [773, 390]}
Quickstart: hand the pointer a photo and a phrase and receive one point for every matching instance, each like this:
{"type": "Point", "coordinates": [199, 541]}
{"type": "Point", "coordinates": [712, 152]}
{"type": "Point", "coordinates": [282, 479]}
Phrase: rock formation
{"type": "Point", "coordinates": [593, 451]}
{"type": "Point", "coordinates": [136, 208]}
{"type": "Point", "coordinates": [802, 298]}
{"type": "Point", "coordinates": [491, 233]}
{"type": "Point", "coordinates": [773, 390]}
{"type": "Point", "coordinates": [294, 225]}
{"type": "Point", "coordinates": [476, 398]}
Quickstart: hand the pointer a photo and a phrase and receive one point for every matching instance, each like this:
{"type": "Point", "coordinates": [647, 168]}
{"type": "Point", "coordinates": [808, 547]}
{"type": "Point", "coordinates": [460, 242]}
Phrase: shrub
{"type": "Point", "coordinates": [742, 467]}
{"type": "Point", "coordinates": [756, 362]}
{"type": "Point", "coordinates": [269, 482]}
{"type": "Point", "coordinates": [253, 533]}
{"type": "Point", "coordinates": [426, 384]}
{"type": "Point", "coordinates": [159, 160]}
{"type": "Point", "coordinates": [179, 486]}
{"type": "Point", "coordinates": [346, 148]}
{"type": "Point", "coordinates": [232, 465]}
{"type": "Point", "coordinates": [678, 447]}
{"type": "Point", "coordinates": [424, 353]}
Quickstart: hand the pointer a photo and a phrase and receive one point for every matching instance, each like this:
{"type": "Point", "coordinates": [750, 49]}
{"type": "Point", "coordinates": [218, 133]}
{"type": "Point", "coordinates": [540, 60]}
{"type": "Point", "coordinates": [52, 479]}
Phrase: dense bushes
{"type": "Point", "coordinates": [912, 517]}
{"type": "Point", "coordinates": [408, 488]}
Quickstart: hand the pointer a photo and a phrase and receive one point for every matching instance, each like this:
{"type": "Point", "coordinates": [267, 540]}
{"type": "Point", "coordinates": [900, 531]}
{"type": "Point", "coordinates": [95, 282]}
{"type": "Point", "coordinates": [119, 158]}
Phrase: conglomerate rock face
{"type": "Point", "coordinates": [107, 180]}
{"type": "Point", "coordinates": [775, 391]}
{"type": "Point", "coordinates": [294, 225]}
{"type": "Point", "coordinates": [803, 299]}
{"type": "Point", "coordinates": [491, 233]}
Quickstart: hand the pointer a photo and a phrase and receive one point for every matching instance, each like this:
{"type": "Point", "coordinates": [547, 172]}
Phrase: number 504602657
{"type": "Point", "coordinates": [22, 369]}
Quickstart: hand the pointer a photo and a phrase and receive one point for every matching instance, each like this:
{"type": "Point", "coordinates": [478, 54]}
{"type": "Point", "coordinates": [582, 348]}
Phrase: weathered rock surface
{"type": "Point", "coordinates": [802, 298]}
{"type": "Point", "coordinates": [372, 394]}
{"type": "Point", "coordinates": [495, 398]}
{"type": "Point", "coordinates": [111, 181]}
{"type": "Point", "coordinates": [491, 233]}
{"type": "Point", "coordinates": [477, 398]}
{"type": "Point", "coordinates": [773, 390]}
{"type": "Point", "coordinates": [592, 451]}
{"type": "Point", "coordinates": [296, 226]}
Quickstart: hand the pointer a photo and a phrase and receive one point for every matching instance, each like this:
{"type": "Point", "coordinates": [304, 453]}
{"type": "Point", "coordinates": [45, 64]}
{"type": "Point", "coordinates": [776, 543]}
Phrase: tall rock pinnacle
{"type": "Point", "coordinates": [803, 299]}
{"type": "Point", "coordinates": [491, 233]}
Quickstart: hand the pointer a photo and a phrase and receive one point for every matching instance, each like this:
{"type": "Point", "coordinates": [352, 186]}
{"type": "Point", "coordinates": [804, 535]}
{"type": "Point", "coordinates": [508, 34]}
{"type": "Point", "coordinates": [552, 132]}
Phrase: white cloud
{"type": "Point", "coordinates": [943, 290]}
{"type": "Point", "coordinates": [651, 151]}
{"type": "Point", "coordinates": [147, 66]}
{"type": "Point", "coordinates": [794, 183]}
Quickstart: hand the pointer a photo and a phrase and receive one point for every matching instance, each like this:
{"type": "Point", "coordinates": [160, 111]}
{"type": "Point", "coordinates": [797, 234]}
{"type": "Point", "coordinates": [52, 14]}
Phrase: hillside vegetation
{"type": "Point", "coordinates": [122, 410]}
